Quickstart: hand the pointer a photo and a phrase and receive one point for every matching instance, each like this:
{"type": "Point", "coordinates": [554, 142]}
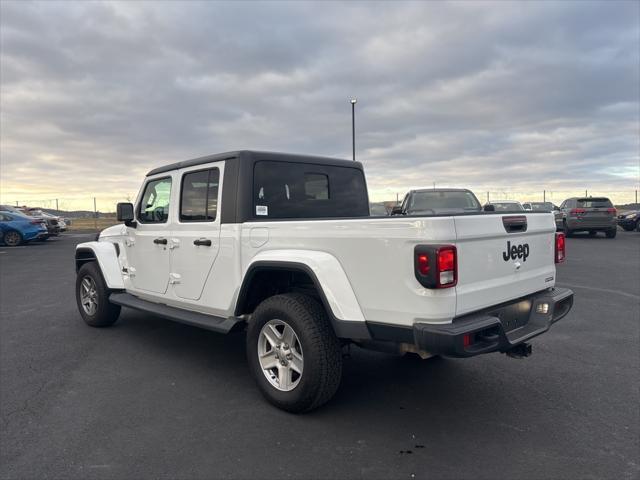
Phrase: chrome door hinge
{"type": "Point", "coordinates": [174, 278]}
{"type": "Point", "coordinates": [174, 243]}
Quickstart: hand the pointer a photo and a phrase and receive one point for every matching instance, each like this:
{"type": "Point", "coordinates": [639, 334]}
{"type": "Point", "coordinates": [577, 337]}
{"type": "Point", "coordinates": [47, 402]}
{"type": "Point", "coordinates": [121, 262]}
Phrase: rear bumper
{"type": "Point", "coordinates": [579, 224]}
{"type": "Point", "coordinates": [497, 329]}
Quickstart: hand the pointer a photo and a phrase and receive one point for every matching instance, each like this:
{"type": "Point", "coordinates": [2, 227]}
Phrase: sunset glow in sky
{"type": "Point", "coordinates": [494, 96]}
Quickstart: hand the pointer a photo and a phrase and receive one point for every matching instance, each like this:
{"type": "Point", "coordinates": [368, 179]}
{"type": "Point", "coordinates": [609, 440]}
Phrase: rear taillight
{"type": "Point", "coordinates": [560, 252]}
{"type": "Point", "coordinates": [36, 222]}
{"type": "Point", "coordinates": [577, 211]}
{"type": "Point", "coordinates": [436, 266]}
{"type": "Point", "coordinates": [423, 264]}
{"type": "Point", "coordinates": [612, 210]}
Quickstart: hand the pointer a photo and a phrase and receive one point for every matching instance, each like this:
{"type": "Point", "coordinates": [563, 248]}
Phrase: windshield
{"type": "Point", "coordinates": [440, 201]}
{"type": "Point", "coordinates": [507, 207]}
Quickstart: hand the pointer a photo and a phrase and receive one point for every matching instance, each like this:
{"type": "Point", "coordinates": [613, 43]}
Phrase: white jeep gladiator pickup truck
{"type": "Point", "coordinates": [284, 246]}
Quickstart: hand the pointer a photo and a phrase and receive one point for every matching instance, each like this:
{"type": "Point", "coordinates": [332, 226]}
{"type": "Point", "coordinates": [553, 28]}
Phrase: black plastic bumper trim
{"type": "Point", "coordinates": [487, 330]}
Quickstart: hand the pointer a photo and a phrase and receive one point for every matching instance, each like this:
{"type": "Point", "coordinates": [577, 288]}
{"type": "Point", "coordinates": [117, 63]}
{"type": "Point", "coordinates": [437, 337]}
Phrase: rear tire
{"type": "Point", "coordinates": [288, 333]}
{"type": "Point", "coordinates": [629, 228]}
{"type": "Point", "coordinates": [92, 297]}
{"type": "Point", "coordinates": [592, 233]}
{"type": "Point", "coordinates": [611, 233]}
{"type": "Point", "coordinates": [13, 238]}
{"type": "Point", "coordinates": [567, 231]}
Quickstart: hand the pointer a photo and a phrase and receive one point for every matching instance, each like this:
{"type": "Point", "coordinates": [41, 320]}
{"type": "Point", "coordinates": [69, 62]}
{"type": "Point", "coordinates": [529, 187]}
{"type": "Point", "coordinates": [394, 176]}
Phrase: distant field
{"type": "Point", "coordinates": [91, 223]}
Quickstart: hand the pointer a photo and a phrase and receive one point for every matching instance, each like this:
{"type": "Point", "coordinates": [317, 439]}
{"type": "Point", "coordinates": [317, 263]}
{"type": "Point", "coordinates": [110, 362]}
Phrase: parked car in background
{"type": "Point", "coordinates": [589, 214]}
{"type": "Point", "coordinates": [36, 212]}
{"type": "Point", "coordinates": [53, 227]}
{"type": "Point", "coordinates": [435, 201]}
{"type": "Point", "coordinates": [506, 205]}
{"type": "Point", "coordinates": [17, 228]}
{"type": "Point", "coordinates": [545, 207]}
{"type": "Point", "coordinates": [629, 220]}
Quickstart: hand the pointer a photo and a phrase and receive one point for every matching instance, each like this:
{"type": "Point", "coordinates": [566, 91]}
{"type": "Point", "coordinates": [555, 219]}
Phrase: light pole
{"type": "Point", "coordinates": [353, 126]}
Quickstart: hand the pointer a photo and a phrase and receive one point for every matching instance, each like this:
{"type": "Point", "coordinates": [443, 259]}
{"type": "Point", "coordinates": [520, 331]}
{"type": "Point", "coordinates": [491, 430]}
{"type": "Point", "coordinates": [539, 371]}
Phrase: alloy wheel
{"type": "Point", "coordinates": [89, 296]}
{"type": "Point", "coordinates": [280, 355]}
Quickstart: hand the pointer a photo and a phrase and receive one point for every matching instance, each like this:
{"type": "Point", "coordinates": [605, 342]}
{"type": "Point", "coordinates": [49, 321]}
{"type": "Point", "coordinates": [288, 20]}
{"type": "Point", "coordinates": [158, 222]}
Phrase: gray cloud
{"type": "Point", "coordinates": [519, 96]}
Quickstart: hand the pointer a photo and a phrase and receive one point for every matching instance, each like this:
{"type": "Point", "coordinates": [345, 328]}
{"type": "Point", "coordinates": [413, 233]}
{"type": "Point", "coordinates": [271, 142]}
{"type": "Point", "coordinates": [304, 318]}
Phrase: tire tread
{"type": "Point", "coordinates": [321, 344]}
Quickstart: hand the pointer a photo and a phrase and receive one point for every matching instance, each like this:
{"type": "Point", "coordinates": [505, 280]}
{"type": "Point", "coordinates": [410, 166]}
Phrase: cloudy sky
{"type": "Point", "coordinates": [496, 96]}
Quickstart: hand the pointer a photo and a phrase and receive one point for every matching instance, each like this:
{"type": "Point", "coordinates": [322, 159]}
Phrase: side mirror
{"type": "Point", "coordinates": [396, 211]}
{"type": "Point", "coordinates": [124, 213]}
{"type": "Point", "coordinates": [489, 208]}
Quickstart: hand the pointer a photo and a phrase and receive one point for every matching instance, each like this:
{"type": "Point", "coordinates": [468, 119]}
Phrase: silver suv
{"type": "Point", "coordinates": [589, 214]}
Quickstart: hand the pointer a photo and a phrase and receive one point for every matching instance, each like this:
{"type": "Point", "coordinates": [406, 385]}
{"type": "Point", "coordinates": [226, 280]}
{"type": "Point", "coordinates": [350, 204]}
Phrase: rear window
{"type": "Point", "coordinates": [507, 207]}
{"type": "Point", "coordinates": [542, 207]}
{"type": "Point", "coordinates": [430, 202]}
{"type": "Point", "coordinates": [594, 203]}
{"type": "Point", "coordinates": [303, 190]}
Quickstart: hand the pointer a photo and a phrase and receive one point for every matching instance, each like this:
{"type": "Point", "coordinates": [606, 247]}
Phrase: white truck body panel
{"type": "Point", "coordinates": [485, 278]}
{"type": "Point", "coordinates": [107, 259]}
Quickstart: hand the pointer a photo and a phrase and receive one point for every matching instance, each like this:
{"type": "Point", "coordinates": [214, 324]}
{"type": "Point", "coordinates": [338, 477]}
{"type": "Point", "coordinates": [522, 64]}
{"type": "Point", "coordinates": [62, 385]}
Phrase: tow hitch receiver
{"type": "Point", "coordinates": [522, 350]}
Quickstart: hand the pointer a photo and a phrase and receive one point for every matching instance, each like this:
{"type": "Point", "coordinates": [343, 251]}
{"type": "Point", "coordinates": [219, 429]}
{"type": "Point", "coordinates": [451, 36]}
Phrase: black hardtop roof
{"type": "Point", "coordinates": [253, 156]}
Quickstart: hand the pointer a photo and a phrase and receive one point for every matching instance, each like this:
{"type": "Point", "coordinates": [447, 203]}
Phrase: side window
{"type": "Point", "coordinates": [305, 190]}
{"type": "Point", "coordinates": [199, 196]}
{"type": "Point", "coordinates": [154, 207]}
{"type": "Point", "coordinates": [404, 202]}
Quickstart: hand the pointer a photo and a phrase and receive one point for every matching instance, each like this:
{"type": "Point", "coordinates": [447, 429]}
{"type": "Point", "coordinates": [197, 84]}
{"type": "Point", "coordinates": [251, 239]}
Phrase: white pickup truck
{"type": "Point", "coordinates": [284, 246]}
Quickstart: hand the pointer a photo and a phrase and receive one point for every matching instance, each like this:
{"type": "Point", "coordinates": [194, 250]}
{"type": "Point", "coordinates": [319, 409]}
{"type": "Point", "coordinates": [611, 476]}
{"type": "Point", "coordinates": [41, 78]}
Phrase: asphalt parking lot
{"type": "Point", "coordinates": [149, 398]}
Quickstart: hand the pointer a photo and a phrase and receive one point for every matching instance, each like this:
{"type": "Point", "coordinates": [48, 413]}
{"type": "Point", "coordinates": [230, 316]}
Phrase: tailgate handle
{"type": "Point", "coordinates": [515, 223]}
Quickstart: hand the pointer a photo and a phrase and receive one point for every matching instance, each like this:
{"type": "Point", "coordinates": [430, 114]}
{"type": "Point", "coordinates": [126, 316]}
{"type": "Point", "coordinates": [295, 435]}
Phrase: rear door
{"type": "Point", "coordinates": [502, 257]}
{"type": "Point", "coordinates": [195, 238]}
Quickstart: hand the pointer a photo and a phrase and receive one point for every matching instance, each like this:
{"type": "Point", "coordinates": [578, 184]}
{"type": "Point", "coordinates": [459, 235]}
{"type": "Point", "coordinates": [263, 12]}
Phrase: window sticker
{"type": "Point", "coordinates": [262, 210]}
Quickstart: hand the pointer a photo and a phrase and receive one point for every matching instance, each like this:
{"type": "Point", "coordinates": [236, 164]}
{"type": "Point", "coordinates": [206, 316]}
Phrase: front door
{"type": "Point", "coordinates": [148, 244]}
{"type": "Point", "coordinates": [195, 232]}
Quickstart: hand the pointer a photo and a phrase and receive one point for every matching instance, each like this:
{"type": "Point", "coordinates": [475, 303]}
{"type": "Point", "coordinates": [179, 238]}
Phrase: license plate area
{"type": "Point", "coordinates": [513, 316]}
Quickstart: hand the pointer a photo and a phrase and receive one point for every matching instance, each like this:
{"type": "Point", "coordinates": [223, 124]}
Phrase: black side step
{"type": "Point", "coordinates": [196, 319]}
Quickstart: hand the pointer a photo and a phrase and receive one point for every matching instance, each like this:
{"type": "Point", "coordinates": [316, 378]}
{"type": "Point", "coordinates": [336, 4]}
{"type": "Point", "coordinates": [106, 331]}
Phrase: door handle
{"type": "Point", "coordinates": [160, 241]}
{"type": "Point", "coordinates": [202, 242]}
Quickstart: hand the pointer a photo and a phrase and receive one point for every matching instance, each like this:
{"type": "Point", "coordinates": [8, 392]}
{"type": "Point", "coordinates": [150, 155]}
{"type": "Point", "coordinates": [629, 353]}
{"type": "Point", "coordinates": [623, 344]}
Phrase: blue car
{"type": "Point", "coordinates": [16, 228]}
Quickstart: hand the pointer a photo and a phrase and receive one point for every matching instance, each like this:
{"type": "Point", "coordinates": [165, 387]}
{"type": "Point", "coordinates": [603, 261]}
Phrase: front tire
{"type": "Point", "coordinates": [293, 353]}
{"type": "Point", "coordinates": [92, 297]}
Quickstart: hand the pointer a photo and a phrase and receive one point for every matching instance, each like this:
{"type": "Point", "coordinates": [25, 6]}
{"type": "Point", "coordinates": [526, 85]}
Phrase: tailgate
{"type": "Point", "coordinates": [496, 265]}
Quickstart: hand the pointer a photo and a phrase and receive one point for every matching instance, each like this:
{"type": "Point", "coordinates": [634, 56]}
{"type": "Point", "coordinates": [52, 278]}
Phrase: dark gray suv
{"type": "Point", "coordinates": [589, 214]}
